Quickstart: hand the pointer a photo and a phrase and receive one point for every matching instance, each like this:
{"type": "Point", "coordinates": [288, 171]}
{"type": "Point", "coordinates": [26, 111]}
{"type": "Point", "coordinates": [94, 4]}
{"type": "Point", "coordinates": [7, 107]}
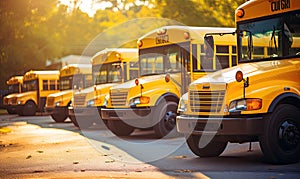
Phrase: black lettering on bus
{"type": "Point", "coordinates": [280, 5]}
{"type": "Point", "coordinates": [285, 4]}
{"type": "Point", "coordinates": [162, 39]}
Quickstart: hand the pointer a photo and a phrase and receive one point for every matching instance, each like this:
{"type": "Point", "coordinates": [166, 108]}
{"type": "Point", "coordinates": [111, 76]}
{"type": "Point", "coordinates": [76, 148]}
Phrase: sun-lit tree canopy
{"type": "Point", "coordinates": [34, 31]}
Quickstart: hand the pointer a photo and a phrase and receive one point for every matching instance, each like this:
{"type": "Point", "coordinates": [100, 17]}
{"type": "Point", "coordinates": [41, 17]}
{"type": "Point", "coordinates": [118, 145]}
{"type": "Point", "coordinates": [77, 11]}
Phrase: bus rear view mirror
{"type": "Point", "coordinates": [209, 46]}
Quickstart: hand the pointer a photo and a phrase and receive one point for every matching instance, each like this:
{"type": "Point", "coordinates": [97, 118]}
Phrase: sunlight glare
{"type": "Point", "coordinates": [88, 6]}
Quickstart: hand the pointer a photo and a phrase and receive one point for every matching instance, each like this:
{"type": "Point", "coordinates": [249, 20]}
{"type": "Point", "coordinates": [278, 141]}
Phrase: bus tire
{"type": "Point", "coordinates": [10, 111]}
{"type": "Point", "coordinates": [212, 149]}
{"type": "Point", "coordinates": [59, 117]}
{"type": "Point", "coordinates": [280, 142]}
{"type": "Point", "coordinates": [29, 109]}
{"type": "Point", "coordinates": [119, 128]}
{"type": "Point", "coordinates": [166, 114]}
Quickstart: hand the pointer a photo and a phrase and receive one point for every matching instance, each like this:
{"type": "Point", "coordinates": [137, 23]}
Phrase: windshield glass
{"type": "Point", "coordinates": [107, 73]}
{"type": "Point", "coordinates": [160, 60]}
{"type": "Point", "coordinates": [66, 82]}
{"type": "Point", "coordinates": [30, 85]}
{"type": "Point", "coordinates": [13, 88]}
{"type": "Point", "coordinates": [77, 81]}
{"type": "Point", "coordinates": [275, 37]}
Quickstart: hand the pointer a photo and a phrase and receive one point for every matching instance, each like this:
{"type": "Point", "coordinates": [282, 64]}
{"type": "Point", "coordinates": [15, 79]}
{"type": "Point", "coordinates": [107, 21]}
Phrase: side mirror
{"type": "Point", "coordinates": [209, 46]}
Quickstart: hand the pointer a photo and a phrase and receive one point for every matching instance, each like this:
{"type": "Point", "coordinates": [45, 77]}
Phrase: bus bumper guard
{"type": "Point", "coordinates": [220, 125]}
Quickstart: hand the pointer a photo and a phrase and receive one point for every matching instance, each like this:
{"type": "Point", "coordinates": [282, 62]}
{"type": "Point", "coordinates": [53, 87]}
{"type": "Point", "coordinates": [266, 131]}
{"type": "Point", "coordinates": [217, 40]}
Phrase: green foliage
{"type": "Point", "coordinates": [34, 31]}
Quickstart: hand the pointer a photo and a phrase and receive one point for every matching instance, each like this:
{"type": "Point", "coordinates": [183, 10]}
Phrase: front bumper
{"type": "Point", "coordinates": [49, 110]}
{"type": "Point", "coordinates": [12, 109]}
{"type": "Point", "coordinates": [247, 125]}
{"type": "Point", "coordinates": [127, 114]}
{"type": "Point", "coordinates": [85, 116]}
{"type": "Point", "coordinates": [19, 109]}
{"type": "Point", "coordinates": [141, 118]}
{"type": "Point", "coordinates": [85, 112]}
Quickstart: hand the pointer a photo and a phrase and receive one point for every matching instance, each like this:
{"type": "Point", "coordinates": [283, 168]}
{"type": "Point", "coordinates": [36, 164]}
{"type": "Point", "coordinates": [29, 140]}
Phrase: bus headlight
{"type": "Point", "coordinates": [90, 102]}
{"type": "Point", "coordinates": [57, 103]}
{"type": "Point", "coordinates": [20, 102]}
{"type": "Point", "coordinates": [105, 102]}
{"type": "Point", "coordinates": [139, 100]}
{"type": "Point", "coordinates": [182, 106]}
{"type": "Point", "coordinates": [247, 104]}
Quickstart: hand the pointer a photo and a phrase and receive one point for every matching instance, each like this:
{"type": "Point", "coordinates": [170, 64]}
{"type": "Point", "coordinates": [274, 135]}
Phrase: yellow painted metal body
{"type": "Point", "coordinates": [103, 62]}
{"type": "Point", "coordinates": [267, 79]}
{"type": "Point", "coordinates": [37, 86]}
{"type": "Point", "coordinates": [154, 86]}
{"type": "Point", "coordinates": [14, 87]}
{"type": "Point", "coordinates": [70, 76]}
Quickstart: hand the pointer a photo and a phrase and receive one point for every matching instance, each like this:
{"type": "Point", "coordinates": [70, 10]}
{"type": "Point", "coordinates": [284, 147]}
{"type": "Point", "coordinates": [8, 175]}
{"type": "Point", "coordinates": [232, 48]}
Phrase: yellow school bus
{"type": "Point", "coordinates": [110, 67]}
{"type": "Point", "coordinates": [14, 87]}
{"type": "Point", "coordinates": [72, 77]}
{"type": "Point", "coordinates": [259, 99]}
{"type": "Point", "coordinates": [37, 85]}
{"type": "Point", "coordinates": [169, 59]}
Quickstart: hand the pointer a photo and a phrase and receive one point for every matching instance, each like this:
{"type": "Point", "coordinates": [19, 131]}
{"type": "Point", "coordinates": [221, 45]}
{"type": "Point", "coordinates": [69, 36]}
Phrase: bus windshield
{"type": "Point", "coordinates": [269, 38]}
{"type": "Point", "coordinates": [77, 81]}
{"type": "Point", "coordinates": [30, 85]}
{"type": "Point", "coordinates": [13, 88]}
{"type": "Point", "coordinates": [107, 73]}
{"type": "Point", "coordinates": [66, 82]}
{"type": "Point", "coordinates": [159, 60]}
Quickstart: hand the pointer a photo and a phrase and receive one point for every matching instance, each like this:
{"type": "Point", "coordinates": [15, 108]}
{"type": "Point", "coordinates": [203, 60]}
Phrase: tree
{"type": "Point", "coordinates": [34, 31]}
{"type": "Point", "coordinates": [18, 47]}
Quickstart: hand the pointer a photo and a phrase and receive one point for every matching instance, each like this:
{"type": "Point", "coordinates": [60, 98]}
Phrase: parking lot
{"type": "Point", "coordinates": [36, 146]}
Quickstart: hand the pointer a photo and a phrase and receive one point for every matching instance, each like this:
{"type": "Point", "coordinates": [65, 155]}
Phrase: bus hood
{"type": "Point", "coordinates": [104, 86]}
{"type": "Point", "coordinates": [11, 95]}
{"type": "Point", "coordinates": [92, 88]}
{"type": "Point", "coordinates": [25, 94]}
{"type": "Point", "coordinates": [84, 91]}
{"type": "Point", "coordinates": [142, 80]}
{"type": "Point", "coordinates": [61, 93]}
{"type": "Point", "coordinates": [274, 67]}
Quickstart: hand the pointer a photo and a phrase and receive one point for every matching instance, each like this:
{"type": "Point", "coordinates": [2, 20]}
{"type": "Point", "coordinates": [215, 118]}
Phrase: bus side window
{"type": "Point", "coordinates": [57, 84]}
{"type": "Point", "coordinates": [52, 84]}
{"type": "Point", "coordinates": [45, 84]}
{"type": "Point", "coordinates": [222, 56]}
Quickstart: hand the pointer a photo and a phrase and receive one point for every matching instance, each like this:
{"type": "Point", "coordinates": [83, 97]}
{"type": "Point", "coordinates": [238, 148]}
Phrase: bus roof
{"type": "Point", "coordinates": [110, 55]}
{"type": "Point", "coordinates": [261, 8]}
{"type": "Point", "coordinates": [176, 34]}
{"type": "Point", "coordinates": [14, 80]}
{"type": "Point", "coordinates": [33, 74]}
{"type": "Point", "coordinates": [72, 69]}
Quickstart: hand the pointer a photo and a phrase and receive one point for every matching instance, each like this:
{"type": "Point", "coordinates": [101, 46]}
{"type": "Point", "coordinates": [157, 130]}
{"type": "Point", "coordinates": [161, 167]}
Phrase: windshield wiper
{"type": "Point", "coordinates": [275, 43]}
{"type": "Point", "coordinates": [250, 45]}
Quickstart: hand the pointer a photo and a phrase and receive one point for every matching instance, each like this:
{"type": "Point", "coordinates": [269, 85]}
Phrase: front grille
{"type": "Point", "coordinates": [118, 98]}
{"type": "Point", "coordinates": [79, 100]}
{"type": "Point", "coordinates": [206, 101]}
{"type": "Point", "coordinates": [50, 101]}
{"type": "Point", "coordinates": [13, 101]}
{"type": "Point", "coordinates": [5, 101]}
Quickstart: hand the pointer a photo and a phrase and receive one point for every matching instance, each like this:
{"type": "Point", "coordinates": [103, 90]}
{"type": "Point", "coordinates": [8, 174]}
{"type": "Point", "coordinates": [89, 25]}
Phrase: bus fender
{"type": "Point", "coordinates": [169, 97]}
{"type": "Point", "coordinates": [290, 98]}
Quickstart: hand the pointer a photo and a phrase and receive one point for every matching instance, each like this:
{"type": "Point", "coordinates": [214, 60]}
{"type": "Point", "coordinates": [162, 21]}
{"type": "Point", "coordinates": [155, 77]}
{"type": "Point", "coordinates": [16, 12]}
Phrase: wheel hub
{"type": "Point", "coordinates": [170, 120]}
{"type": "Point", "coordinates": [289, 135]}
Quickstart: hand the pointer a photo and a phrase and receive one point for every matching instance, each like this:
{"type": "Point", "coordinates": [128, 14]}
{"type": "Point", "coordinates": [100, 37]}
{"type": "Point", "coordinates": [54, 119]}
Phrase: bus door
{"type": "Point", "coordinates": [185, 67]}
